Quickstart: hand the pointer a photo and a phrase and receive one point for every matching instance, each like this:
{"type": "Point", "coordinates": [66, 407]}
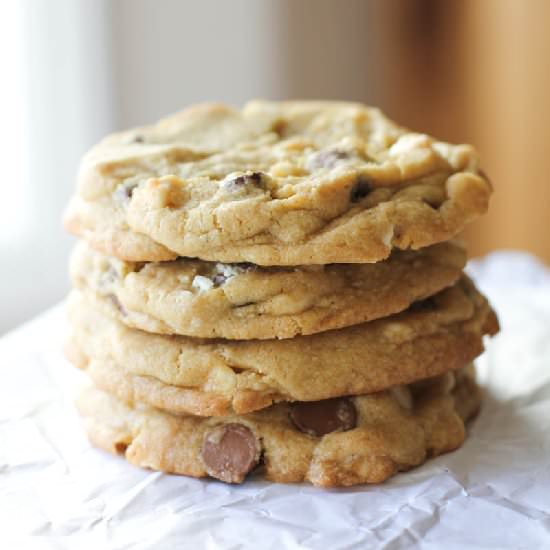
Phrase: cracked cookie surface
{"type": "Point", "coordinates": [287, 183]}
{"type": "Point", "coordinates": [244, 301]}
{"type": "Point", "coordinates": [346, 441]}
{"type": "Point", "coordinates": [219, 377]}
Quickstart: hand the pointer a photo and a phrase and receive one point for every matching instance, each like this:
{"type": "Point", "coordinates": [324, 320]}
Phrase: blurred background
{"type": "Point", "coordinates": [73, 70]}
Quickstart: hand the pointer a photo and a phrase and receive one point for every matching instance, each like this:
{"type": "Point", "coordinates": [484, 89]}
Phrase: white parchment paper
{"type": "Point", "coordinates": [58, 492]}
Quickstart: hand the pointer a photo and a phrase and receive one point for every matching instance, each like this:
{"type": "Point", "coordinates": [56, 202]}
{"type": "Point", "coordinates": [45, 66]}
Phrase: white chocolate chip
{"type": "Point", "coordinates": [229, 270]}
{"type": "Point", "coordinates": [202, 284]}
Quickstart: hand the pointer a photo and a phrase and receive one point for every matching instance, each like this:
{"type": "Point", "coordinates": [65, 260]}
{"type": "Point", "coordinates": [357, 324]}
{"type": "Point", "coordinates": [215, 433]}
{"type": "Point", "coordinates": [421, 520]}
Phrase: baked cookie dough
{"type": "Point", "coordinates": [289, 183]}
{"type": "Point", "coordinates": [244, 301]}
{"type": "Point", "coordinates": [339, 442]}
{"type": "Point", "coordinates": [220, 377]}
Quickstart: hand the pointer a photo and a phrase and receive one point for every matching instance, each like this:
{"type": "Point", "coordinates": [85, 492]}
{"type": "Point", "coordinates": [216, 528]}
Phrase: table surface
{"type": "Point", "coordinates": [58, 492]}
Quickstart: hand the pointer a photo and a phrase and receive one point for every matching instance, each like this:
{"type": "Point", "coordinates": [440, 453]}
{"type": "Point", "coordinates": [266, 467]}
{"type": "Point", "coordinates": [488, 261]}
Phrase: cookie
{"type": "Point", "coordinates": [244, 301]}
{"type": "Point", "coordinates": [339, 442]}
{"type": "Point", "coordinates": [215, 377]}
{"type": "Point", "coordinates": [287, 183]}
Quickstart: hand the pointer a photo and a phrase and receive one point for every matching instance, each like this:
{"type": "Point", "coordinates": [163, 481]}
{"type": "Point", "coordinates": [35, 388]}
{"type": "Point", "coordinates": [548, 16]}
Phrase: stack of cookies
{"type": "Point", "coordinates": [276, 290]}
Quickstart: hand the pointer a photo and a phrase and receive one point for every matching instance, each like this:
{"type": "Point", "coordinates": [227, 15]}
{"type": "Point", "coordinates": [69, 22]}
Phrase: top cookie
{"type": "Point", "coordinates": [285, 183]}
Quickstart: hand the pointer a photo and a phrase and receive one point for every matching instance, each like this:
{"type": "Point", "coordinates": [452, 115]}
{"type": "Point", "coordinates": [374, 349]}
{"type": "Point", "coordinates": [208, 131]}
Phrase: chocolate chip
{"type": "Point", "coordinates": [229, 452]}
{"type": "Point", "coordinates": [360, 190]}
{"type": "Point", "coordinates": [138, 139]}
{"type": "Point", "coordinates": [253, 179]}
{"type": "Point", "coordinates": [227, 271]}
{"type": "Point", "coordinates": [219, 279]}
{"type": "Point", "coordinates": [322, 417]}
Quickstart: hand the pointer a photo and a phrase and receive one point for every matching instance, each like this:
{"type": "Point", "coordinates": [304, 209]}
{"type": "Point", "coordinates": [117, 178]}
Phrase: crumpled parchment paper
{"type": "Point", "coordinates": [58, 492]}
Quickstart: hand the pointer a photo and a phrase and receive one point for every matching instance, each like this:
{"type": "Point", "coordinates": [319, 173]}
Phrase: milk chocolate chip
{"type": "Point", "coordinates": [322, 417]}
{"type": "Point", "coordinates": [229, 452]}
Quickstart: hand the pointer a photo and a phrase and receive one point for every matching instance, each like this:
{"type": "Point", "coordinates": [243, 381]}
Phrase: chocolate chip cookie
{"type": "Point", "coordinates": [340, 442]}
{"type": "Point", "coordinates": [289, 183]}
{"type": "Point", "coordinates": [219, 377]}
{"type": "Point", "coordinates": [245, 301]}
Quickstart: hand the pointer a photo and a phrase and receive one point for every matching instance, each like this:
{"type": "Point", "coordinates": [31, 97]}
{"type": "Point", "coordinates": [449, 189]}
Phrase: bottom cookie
{"type": "Point", "coordinates": [336, 442]}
